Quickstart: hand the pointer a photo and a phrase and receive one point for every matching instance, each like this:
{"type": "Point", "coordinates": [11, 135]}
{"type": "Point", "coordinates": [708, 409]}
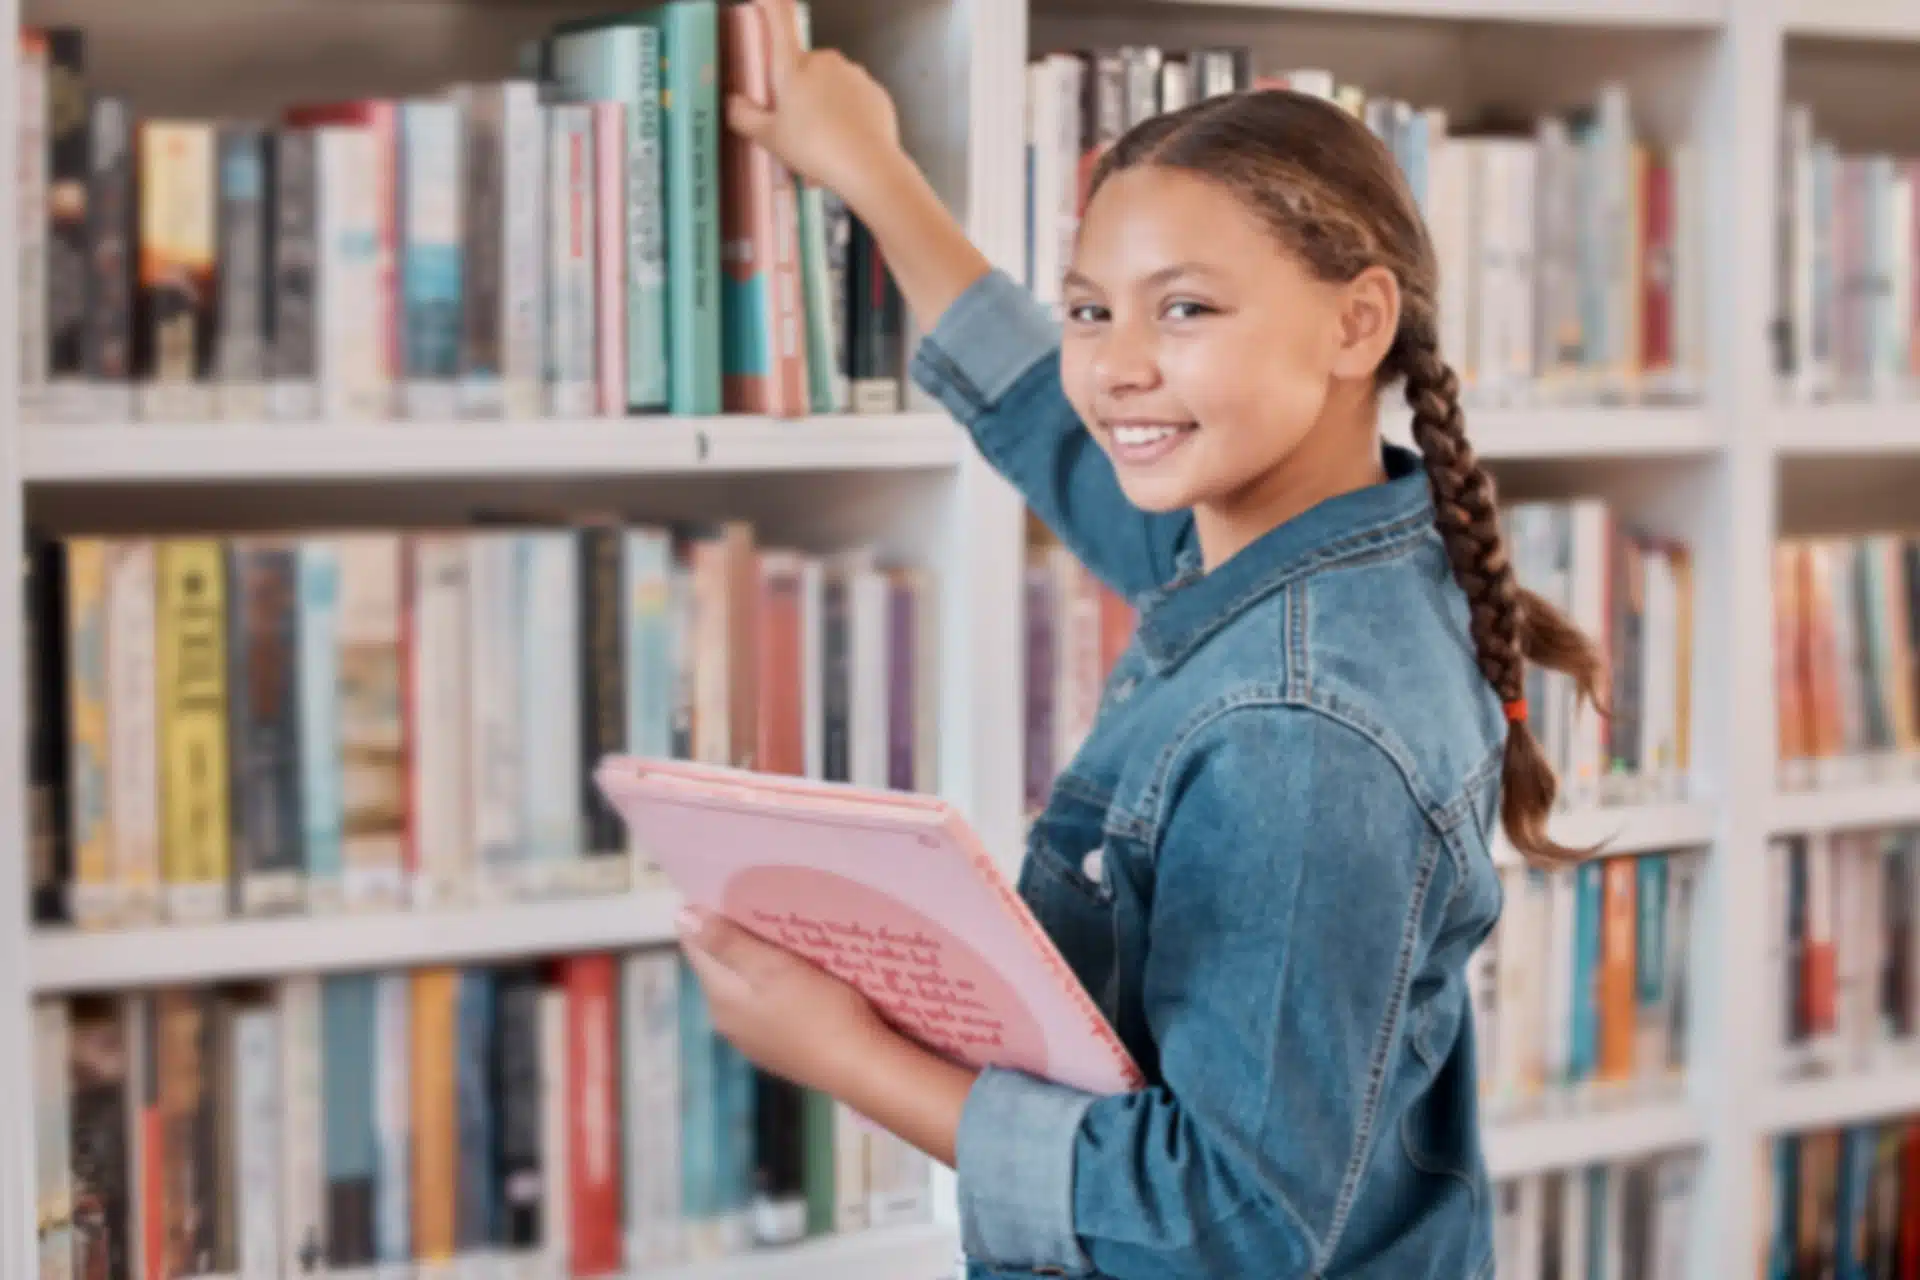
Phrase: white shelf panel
{"type": "Point", "coordinates": [75, 960]}
{"type": "Point", "coordinates": [1848, 429]}
{"type": "Point", "coordinates": [1627, 829]}
{"type": "Point", "coordinates": [401, 450]}
{"type": "Point", "coordinates": [1516, 1148]}
{"type": "Point", "coordinates": [1866, 19]}
{"type": "Point", "coordinates": [1798, 1105]}
{"type": "Point", "coordinates": [1623, 13]}
{"type": "Point", "coordinates": [898, 1253]}
{"type": "Point", "coordinates": [1591, 433]}
{"type": "Point", "coordinates": [1877, 805]}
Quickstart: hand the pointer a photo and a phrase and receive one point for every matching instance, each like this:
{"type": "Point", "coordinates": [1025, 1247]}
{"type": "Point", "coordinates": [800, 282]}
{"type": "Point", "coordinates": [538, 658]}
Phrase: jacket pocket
{"type": "Point", "coordinates": [1064, 880]}
{"type": "Point", "coordinates": [1439, 1131]}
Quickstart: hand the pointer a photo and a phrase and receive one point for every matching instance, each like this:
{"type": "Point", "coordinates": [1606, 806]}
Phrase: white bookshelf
{"type": "Point", "coordinates": [1712, 70]}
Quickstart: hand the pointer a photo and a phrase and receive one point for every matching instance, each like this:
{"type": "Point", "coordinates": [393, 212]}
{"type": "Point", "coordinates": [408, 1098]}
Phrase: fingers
{"type": "Point", "coordinates": [783, 39]}
{"type": "Point", "coordinates": [751, 959]}
{"type": "Point", "coordinates": [747, 119]}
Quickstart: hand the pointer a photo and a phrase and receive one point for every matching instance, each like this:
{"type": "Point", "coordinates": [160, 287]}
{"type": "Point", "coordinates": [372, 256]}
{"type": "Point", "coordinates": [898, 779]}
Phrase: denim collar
{"type": "Point", "coordinates": [1178, 617]}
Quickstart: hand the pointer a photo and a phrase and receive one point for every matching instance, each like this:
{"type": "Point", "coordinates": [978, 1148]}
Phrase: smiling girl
{"type": "Point", "coordinates": [1269, 862]}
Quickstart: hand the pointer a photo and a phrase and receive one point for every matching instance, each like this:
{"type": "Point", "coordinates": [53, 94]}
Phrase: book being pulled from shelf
{"type": "Point", "coordinates": [1846, 307]}
{"type": "Point", "coordinates": [1846, 638]}
{"type": "Point", "coordinates": [1571, 254]}
{"type": "Point", "coordinates": [581, 237]}
{"type": "Point", "coordinates": [1632, 1221]}
{"type": "Point", "coordinates": [1841, 947]}
{"type": "Point", "coordinates": [1840, 1202]}
{"type": "Point", "coordinates": [313, 721]}
{"type": "Point", "coordinates": [1581, 993]}
{"type": "Point", "coordinates": [571, 1117]}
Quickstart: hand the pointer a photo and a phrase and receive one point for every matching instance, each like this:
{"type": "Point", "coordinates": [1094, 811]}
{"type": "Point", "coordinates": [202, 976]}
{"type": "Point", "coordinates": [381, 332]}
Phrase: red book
{"type": "Point", "coordinates": [593, 1115]}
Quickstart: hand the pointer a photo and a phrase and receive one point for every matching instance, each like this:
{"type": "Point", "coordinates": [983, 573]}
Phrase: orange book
{"type": "Point", "coordinates": [1789, 661]}
{"type": "Point", "coordinates": [436, 1130]}
{"type": "Point", "coordinates": [1617, 970]}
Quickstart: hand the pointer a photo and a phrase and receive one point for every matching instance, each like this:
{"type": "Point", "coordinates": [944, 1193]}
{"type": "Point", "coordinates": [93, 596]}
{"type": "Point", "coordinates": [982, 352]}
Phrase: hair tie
{"type": "Point", "coordinates": [1516, 710]}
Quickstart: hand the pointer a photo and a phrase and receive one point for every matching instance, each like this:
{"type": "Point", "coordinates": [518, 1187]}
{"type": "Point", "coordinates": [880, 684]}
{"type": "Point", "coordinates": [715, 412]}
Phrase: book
{"type": "Point", "coordinates": [890, 891]}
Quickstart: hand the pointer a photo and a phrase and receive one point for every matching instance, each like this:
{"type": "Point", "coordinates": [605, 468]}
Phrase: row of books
{"type": "Point", "coordinates": [581, 237]}
{"type": "Point", "coordinates": [1842, 1203]}
{"type": "Point", "coordinates": [1625, 1221]}
{"type": "Point", "coordinates": [1846, 636]}
{"type": "Point", "coordinates": [1571, 254]}
{"type": "Point", "coordinates": [1582, 993]}
{"type": "Point", "coordinates": [1632, 592]}
{"type": "Point", "coordinates": [578, 1115]}
{"type": "Point", "coordinates": [1847, 311]}
{"type": "Point", "coordinates": [1840, 925]}
{"type": "Point", "coordinates": [320, 722]}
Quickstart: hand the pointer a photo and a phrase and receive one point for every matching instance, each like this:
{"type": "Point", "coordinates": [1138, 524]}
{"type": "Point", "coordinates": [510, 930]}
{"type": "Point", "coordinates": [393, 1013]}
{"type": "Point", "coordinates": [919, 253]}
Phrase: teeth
{"type": "Point", "coordinates": [1133, 436]}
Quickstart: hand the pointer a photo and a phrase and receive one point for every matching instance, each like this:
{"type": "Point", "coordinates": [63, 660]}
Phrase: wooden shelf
{"type": "Point", "coordinates": [138, 453]}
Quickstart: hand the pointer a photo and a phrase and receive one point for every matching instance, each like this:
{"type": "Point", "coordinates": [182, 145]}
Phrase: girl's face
{"type": "Point", "coordinates": [1195, 348]}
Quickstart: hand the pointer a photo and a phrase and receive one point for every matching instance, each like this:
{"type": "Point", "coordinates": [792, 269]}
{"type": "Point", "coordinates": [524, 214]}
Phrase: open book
{"type": "Point", "coordinates": [890, 891]}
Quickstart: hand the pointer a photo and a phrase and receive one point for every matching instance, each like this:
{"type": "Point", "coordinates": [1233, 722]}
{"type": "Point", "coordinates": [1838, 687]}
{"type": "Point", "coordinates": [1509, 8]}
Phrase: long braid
{"type": "Point", "coordinates": [1509, 624]}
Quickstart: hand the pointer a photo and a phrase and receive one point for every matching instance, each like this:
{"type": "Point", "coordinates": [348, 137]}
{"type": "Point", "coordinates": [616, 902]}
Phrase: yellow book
{"type": "Point", "coordinates": [91, 789]}
{"type": "Point", "coordinates": [196, 854]}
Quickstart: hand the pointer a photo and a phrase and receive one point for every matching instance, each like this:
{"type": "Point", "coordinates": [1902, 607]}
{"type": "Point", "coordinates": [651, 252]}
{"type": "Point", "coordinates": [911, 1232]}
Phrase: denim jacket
{"type": "Point", "coordinates": [1268, 863]}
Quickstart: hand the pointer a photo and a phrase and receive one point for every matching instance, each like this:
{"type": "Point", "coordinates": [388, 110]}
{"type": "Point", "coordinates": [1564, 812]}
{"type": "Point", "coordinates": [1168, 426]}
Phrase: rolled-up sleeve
{"type": "Point", "coordinates": [993, 361]}
{"type": "Point", "coordinates": [1293, 889]}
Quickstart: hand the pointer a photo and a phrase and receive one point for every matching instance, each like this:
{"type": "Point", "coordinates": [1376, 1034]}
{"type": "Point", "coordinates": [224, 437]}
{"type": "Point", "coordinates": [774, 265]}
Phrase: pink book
{"type": "Point", "coordinates": [610, 253]}
{"type": "Point", "coordinates": [892, 892]}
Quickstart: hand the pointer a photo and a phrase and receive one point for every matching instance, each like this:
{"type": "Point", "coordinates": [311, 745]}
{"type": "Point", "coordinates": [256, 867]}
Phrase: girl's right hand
{"type": "Point", "coordinates": [829, 120]}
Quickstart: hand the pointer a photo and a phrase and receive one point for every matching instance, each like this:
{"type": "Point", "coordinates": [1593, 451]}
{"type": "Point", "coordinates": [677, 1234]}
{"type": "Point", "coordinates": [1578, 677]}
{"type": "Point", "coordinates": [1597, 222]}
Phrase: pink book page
{"type": "Point", "coordinates": [889, 891]}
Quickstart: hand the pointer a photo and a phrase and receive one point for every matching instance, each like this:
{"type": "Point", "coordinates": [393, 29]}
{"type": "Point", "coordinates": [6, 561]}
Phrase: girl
{"type": "Point", "coordinates": [1269, 861]}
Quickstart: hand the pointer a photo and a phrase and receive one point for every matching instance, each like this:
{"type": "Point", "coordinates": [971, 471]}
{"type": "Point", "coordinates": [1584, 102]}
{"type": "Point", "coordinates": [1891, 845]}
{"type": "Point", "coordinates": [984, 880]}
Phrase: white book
{"type": "Point", "coordinates": [53, 1136]}
{"type": "Point", "coordinates": [550, 710]}
{"type": "Point", "coordinates": [133, 747]}
{"type": "Point", "coordinates": [1590, 525]}
{"type": "Point", "coordinates": [1521, 165]}
{"type": "Point", "coordinates": [302, 1138]}
{"type": "Point", "coordinates": [372, 742]}
{"type": "Point", "coordinates": [1562, 899]}
{"type": "Point", "coordinates": [651, 1026]}
{"type": "Point", "coordinates": [260, 1112]}
{"type": "Point", "coordinates": [571, 208]}
{"type": "Point", "coordinates": [352, 363]}
{"type": "Point", "coordinates": [493, 599]}
{"type": "Point", "coordinates": [524, 278]}
{"type": "Point", "coordinates": [442, 799]}
{"type": "Point", "coordinates": [555, 1157]}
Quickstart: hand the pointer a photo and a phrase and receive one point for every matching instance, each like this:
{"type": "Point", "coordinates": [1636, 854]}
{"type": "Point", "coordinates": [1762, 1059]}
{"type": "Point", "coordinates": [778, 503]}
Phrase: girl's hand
{"type": "Point", "coordinates": [828, 120]}
{"type": "Point", "coordinates": [786, 1014]}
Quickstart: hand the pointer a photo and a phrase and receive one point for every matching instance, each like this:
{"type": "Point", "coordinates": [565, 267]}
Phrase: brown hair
{"type": "Point", "coordinates": [1334, 197]}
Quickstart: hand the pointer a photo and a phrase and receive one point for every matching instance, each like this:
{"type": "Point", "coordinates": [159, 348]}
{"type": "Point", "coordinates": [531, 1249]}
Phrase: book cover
{"type": "Point", "coordinates": [891, 892]}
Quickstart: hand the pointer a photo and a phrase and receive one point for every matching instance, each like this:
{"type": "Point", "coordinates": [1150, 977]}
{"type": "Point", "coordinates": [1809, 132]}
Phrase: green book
{"type": "Point", "coordinates": [690, 73]}
{"type": "Point", "coordinates": [618, 60]}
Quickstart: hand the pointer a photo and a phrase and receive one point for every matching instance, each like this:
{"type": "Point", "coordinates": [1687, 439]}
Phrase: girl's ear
{"type": "Point", "coordinates": [1369, 316]}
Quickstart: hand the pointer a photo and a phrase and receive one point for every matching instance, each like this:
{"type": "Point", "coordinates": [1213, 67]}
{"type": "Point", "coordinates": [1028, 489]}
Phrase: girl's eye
{"type": "Point", "coordinates": [1086, 313]}
{"type": "Point", "coordinates": [1186, 309]}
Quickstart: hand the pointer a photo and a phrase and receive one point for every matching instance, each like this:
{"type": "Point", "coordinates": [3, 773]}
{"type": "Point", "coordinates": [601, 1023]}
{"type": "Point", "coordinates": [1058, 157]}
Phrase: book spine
{"type": "Point", "coordinates": [101, 1161]}
{"type": "Point", "coordinates": [647, 372]}
{"type": "Point", "coordinates": [318, 664]}
{"type": "Point", "coordinates": [494, 702]}
{"type": "Point", "coordinates": [243, 276]}
{"type": "Point", "coordinates": [483, 248]}
{"type": "Point", "coordinates": [192, 682]}
{"type": "Point", "coordinates": [603, 700]}
{"type": "Point", "coordinates": [392, 1093]}
{"type": "Point", "coordinates": [609, 120]}
{"type": "Point", "coordinates": [570, 235]}
{"type": "Point", "coordinates": [690, 48]}
{"type": "Point", "coordinates": [372, 738]}
{"type": "Point", "coordinates": [177, 249]}
{"type": "Point", "coordinates": [66, 220]}
{"type": "Point", "coordinates": [352, 362]}
{"type": "Point", "coordinates": [524, 296]}
{"type": "Point", "coordinates": [550, 709]}
{"type": "Point", "coordinates": [347, 1036]}
{"type": "Point", "coordinates": [440, 680]}
{"type": "Point", "coordinates": [257, 1140]}
{"type": "Point", "coordinates": [431, 152]}
{"type": "Point", "coordinates": [295, 296]}
{"type": "Point", "coordinates": [110, 267]}
{"type": "Point", "coordinates": [53, 1119]}
{"type": "Point", "coordinates": [474, 1115]}
{"type": "Point", "coordinates": [31, 217]}
{"type": "Point", "coordinates": [434, 1117]}
{"type": "Point", "coordinates": [92, 893]}
{"type": "Point", "coordinates": [517, 1068]}
{"type": "Point", "coordinates": [264, 712]}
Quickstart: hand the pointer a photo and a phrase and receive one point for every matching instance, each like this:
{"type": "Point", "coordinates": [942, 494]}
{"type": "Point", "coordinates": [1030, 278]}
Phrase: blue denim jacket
{"type": "Point", "coordinates": [1268, 863]}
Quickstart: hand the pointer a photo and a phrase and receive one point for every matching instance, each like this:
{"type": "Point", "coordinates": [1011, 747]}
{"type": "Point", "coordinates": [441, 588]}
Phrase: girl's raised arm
{"type": "Point", "coordinates": [991, 354]}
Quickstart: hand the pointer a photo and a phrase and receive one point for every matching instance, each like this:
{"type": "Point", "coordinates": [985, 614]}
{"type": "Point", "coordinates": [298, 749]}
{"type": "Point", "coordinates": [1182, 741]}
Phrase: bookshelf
{"type": "Point", "coordinates": [1726, 473]}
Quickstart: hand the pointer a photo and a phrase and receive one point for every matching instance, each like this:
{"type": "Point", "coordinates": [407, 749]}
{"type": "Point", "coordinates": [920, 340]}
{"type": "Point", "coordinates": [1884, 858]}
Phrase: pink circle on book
{"type": "Point", "coordinates": [879, 944]}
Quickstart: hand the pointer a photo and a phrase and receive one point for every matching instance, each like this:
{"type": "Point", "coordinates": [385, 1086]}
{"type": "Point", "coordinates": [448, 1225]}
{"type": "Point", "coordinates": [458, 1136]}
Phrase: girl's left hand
{"type": "Point", "coordinates": [784, 1013]}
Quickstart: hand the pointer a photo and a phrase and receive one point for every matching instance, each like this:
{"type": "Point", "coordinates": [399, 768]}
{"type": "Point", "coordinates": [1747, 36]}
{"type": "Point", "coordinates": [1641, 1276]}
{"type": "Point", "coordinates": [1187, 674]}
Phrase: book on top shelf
{"type": "Point", "coordinates": [893, 893]}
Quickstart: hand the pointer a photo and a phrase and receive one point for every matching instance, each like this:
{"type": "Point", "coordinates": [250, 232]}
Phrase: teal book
{"type": "Point", "coordinates": [618, 60]}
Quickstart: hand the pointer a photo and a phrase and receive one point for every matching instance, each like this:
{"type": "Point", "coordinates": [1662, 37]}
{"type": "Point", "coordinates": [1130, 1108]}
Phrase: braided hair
{"type": "Point", "coordinates": [1333, 195]}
